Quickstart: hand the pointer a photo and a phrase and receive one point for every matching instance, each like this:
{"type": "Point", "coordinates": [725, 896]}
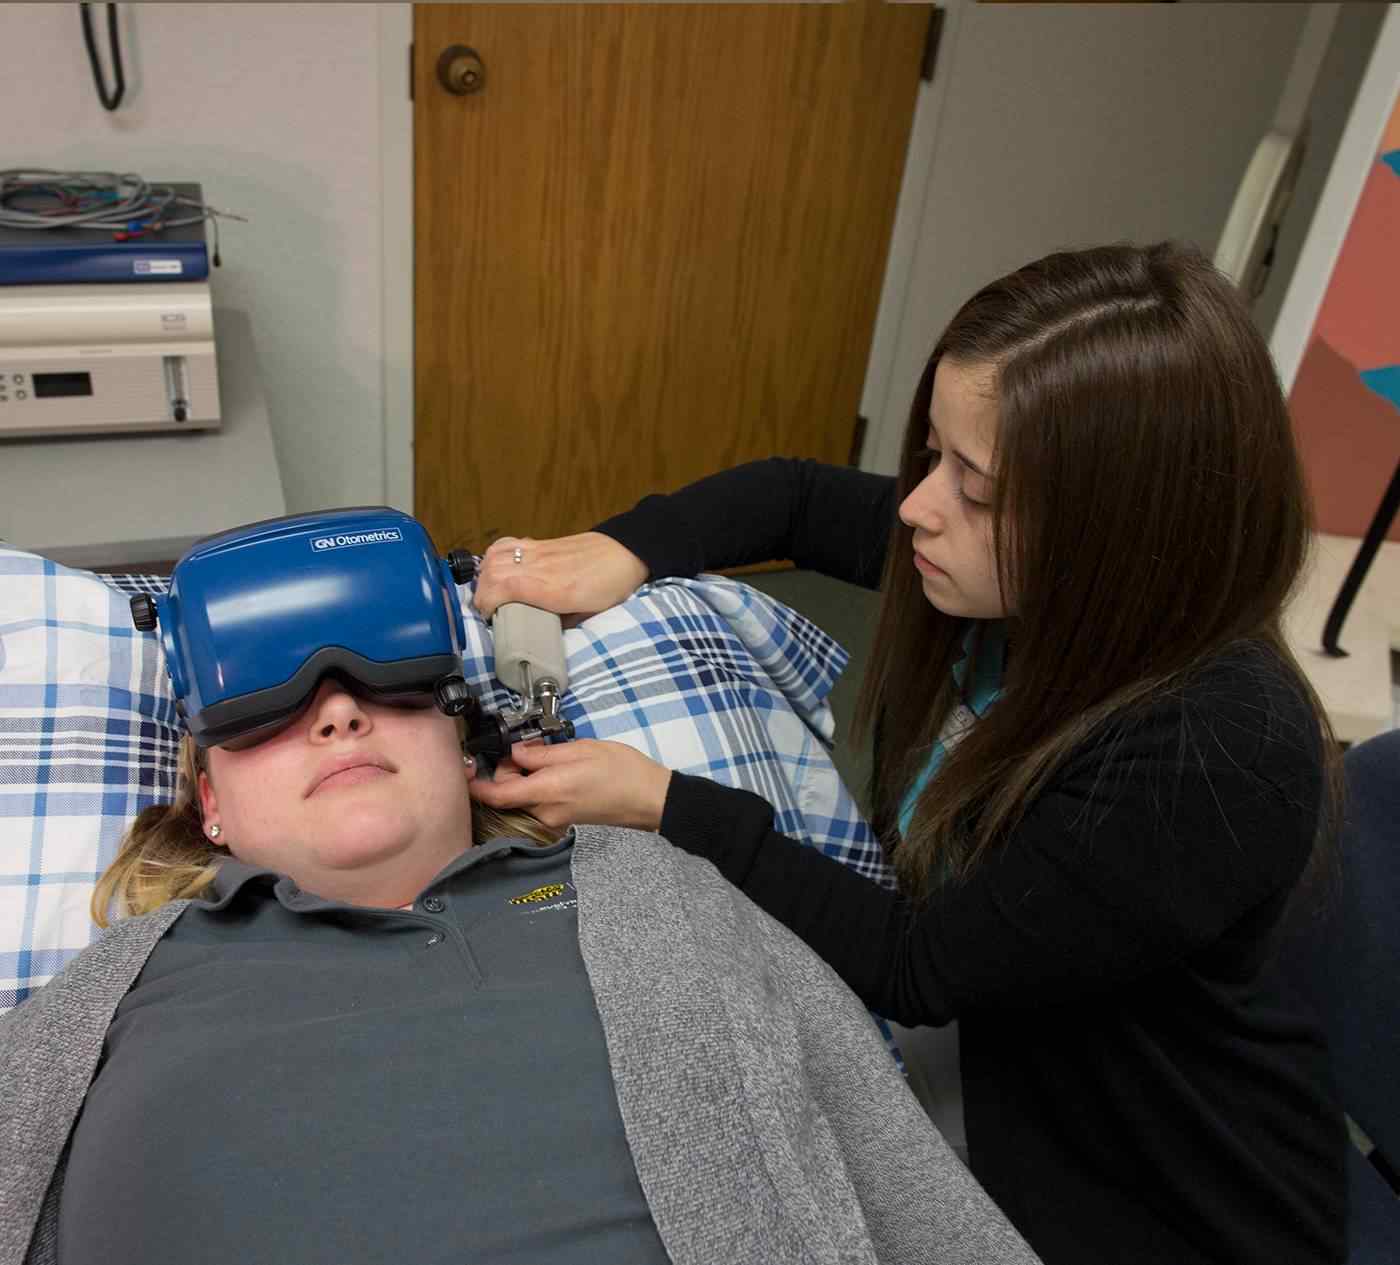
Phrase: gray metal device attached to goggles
{"type": "Point", "coordinates": [256, 617]}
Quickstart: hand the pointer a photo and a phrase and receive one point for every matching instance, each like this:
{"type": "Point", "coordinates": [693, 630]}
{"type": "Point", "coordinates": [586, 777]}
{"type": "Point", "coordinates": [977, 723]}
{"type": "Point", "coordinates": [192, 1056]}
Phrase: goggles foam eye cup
{"type": "Point", "coordinates": [257, 737]}
{"type": "Point", "coordinates": [263, 733]}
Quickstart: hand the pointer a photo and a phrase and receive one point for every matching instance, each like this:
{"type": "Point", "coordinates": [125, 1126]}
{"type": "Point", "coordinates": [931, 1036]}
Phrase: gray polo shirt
{"type": "Point", "coordinates": [293, 1079]}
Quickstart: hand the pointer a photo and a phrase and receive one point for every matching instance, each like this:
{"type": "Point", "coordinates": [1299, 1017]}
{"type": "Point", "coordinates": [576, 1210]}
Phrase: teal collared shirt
{"type": "Point", "coordinates": [977, 696]}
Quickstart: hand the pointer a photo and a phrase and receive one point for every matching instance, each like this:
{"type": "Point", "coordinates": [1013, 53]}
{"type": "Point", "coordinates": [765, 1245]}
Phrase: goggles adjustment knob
{"type": "Point", "coordinates": [453, 695]}
{"type": "Point", "coordinates": [462, 565]}
{"type": "Point", "coordinates": [143, 612]}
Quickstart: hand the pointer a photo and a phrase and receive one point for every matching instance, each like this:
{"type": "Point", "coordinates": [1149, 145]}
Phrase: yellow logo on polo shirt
{"type": "Point", "coordinates": [548, 892]}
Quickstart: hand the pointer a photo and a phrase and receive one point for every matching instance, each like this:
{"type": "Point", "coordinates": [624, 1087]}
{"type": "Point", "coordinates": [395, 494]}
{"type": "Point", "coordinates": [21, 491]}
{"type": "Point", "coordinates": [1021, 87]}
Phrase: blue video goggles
{"type": "Point", "coordinates": [255, 618]}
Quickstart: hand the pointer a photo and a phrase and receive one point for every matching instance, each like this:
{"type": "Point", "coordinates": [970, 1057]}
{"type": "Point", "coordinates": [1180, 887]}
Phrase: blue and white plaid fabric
{"type": "Point", "coordinates": [707, 676]}
{"type": "Point", "coordinates": [88, 737]}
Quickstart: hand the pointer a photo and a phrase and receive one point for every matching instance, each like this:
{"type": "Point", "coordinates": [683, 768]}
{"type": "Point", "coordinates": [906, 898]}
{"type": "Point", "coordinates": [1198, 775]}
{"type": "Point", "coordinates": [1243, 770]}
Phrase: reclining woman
{"type": "Point", "coordinates": [1101, 775]}
{"type": "Point", "coordinates": [346, 1018]}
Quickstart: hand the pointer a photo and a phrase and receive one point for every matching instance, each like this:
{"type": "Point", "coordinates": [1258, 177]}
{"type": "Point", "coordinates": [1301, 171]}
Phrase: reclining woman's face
{"type": "Point", "coordinates": [354, 800]}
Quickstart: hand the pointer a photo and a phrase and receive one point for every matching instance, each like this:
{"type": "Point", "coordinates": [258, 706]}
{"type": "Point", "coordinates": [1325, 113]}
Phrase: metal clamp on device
{"type": "Point", "coordinates": [530, 662]}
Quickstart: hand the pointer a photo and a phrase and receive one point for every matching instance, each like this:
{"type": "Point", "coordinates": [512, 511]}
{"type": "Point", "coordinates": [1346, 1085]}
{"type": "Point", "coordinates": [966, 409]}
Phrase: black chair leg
{"type": "Point", "coordinates": [1370, 546]}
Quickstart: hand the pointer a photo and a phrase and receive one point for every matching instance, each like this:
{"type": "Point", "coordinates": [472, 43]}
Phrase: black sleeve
{"type": "Point", "coordinates": [832, 519]}
{"type": "Point", "coordinates": [1141, 851]}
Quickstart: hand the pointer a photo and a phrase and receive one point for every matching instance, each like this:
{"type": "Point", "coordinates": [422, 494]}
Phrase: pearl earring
{"type": "Point", "coordinates": [469, 761]}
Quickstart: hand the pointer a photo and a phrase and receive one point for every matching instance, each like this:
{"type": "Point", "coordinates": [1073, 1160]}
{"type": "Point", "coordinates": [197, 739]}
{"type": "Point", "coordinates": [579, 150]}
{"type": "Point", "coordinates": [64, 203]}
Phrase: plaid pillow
{"type": "Point", "coordinates": [706, 676]}
{"type": "Point", "coordinates": [88, 738]}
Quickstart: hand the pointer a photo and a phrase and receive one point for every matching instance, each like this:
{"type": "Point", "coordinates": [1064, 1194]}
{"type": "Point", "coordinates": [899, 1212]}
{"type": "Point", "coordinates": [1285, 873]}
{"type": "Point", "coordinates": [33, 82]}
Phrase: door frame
{"type": "Point", "coordinates": [886, 408]}
{"type": "Point", "coordinates": [886, 414]}
{"type": "Point", "coordinates": [396, 250]}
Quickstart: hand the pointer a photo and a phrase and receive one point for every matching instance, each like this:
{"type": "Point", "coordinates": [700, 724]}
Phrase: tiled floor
{"type": "Point", "coordinates": [1354, 687]}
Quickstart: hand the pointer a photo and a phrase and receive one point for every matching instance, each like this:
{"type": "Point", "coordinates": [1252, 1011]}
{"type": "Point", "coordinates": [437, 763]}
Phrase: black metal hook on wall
{"type": "Point", "coordinates": [114, 98]}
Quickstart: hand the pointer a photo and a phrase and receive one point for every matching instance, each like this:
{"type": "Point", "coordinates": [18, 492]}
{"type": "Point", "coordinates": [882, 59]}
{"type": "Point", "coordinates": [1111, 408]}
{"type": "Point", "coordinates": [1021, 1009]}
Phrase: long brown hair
{"type": "Point", "coordinates": [165, 854]}
{"type": "Point", "coordinates": [1149, 510]}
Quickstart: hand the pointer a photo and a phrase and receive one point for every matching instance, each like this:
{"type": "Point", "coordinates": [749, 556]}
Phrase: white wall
{"type": "Point", "coordinates": [275, 110]}
{"type": "Point", "coordinates": [1062, 126]}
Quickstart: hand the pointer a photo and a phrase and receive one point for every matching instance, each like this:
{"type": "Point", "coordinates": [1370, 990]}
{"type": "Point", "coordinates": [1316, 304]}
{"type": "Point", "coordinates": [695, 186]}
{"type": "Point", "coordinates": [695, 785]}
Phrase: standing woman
{"type": "Point", "coordinates": [1100, 774]}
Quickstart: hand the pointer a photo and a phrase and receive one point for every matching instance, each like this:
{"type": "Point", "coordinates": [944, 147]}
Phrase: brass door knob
{"type": "Point", "coordinates": [460, 70]}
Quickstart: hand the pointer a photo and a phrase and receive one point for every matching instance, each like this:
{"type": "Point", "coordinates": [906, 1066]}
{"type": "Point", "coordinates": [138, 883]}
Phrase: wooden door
{"type": "Point", "coordinates": [651, 247]}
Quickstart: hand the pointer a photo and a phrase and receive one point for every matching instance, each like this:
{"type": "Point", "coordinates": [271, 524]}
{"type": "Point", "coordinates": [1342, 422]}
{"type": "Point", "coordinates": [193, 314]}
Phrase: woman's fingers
{"type": "Point", "coordinates": [542, 794]}
{"type": "Point", "coordinates": [540, 755]}
{"type": "Point", "coordinates": [507, 769]}
{"type": "Point", "coordinates": [509, 793]}
{"type": "Point", "coordinates": [606, 783]}
{"type": "Point", "coordinates": [502, 579]}
{"type": "Point", "coordinates": [570, 575]}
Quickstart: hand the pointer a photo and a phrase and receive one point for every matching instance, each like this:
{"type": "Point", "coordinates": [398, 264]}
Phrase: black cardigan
{"type": "Point", "coordinates": [1138, 1083]}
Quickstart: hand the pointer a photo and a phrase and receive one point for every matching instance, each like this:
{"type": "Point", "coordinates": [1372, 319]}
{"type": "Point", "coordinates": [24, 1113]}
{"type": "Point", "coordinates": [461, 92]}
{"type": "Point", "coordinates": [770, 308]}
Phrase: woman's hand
{"type": "Point", "coordinates": [571, 575]}
{"type": "Point", "coordinates": [580, 782]}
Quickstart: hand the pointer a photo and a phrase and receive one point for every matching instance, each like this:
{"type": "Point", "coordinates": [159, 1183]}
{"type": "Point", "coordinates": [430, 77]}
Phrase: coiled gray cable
{"type": "Point", "coordinates": [103, 201]}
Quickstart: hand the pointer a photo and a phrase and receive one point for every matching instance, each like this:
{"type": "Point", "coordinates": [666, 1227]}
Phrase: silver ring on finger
{"type": "Point", "coordinates": [518, 555]}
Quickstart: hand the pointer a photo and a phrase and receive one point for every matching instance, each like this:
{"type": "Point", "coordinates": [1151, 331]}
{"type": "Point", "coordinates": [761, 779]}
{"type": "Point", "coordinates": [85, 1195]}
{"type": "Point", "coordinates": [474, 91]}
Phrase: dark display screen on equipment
{"type": "Point", "coordinates": [50, 385]}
